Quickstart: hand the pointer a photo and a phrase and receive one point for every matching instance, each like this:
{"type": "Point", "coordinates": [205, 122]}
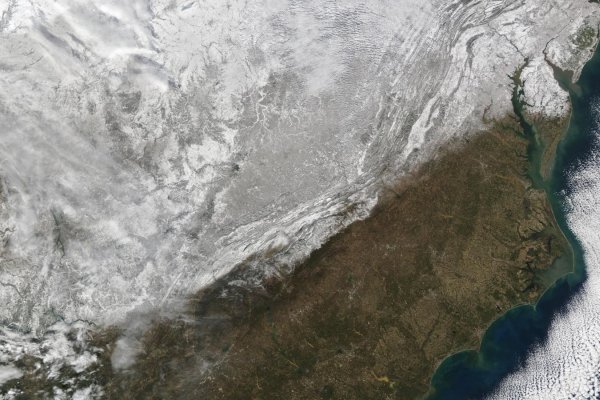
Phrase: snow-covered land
{"type": "Point", "coordinates": [147, 147]}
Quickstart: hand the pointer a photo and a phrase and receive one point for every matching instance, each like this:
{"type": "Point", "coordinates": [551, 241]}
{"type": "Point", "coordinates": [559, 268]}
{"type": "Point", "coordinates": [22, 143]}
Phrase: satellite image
{"type": "Point", "coordinates": [300, 199]}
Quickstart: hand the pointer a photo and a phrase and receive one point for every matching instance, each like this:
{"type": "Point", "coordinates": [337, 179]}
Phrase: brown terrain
{"type": "Point", "coordinates": [550, 132]}
{"type": "Point", "coordinates": [373, 312]}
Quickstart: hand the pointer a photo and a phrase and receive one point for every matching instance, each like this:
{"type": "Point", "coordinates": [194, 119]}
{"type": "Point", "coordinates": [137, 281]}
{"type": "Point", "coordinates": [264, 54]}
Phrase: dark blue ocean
{"type": "Point", "coordinates": [475, 374]}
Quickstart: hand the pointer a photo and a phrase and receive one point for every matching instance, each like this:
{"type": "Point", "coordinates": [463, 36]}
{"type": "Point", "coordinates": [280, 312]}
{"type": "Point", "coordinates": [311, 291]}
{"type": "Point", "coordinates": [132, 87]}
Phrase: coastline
{"type": "Point", "coordinates": [369, 313]}
{"type": "Point", "coordinates": [387, 286]}
{"type": "Point", "coordinates": [196, 230]}
{"type": "Point", "coordinates": [376, 309]}
{"type": "Point", "coordinates": [534, 317]}
{"type": "Point", "coordinates": [347, 321]}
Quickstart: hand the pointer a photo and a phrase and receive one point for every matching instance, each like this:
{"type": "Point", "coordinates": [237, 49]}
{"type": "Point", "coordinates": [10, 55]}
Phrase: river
{"type": "Point", "coordinates": [508, 343]}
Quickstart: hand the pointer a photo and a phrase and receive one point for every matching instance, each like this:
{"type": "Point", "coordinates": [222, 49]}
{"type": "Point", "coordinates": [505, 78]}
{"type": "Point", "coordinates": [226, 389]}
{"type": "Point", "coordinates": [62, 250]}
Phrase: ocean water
{"type": "Point", "coordinates": [165, 142]}
{"type": "Point", "coordinates": [550, 350]}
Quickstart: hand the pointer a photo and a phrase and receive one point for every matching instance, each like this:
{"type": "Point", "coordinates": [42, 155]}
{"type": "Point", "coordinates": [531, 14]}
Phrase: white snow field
{"type": "Point", "coordinates": [148, 147]}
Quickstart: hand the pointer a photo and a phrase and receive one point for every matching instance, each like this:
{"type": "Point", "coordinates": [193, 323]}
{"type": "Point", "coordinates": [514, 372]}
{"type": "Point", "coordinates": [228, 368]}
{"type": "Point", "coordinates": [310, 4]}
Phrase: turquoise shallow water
{"type": "Point", "coordinates": [506, 343]}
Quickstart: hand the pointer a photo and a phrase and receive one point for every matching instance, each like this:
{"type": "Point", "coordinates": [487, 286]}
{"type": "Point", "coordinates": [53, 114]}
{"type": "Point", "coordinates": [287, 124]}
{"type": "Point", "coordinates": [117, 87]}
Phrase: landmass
{"type": "Point", "coordinates": [373, 312]}
{"type": "Point", "coordinates": [286, 157]}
